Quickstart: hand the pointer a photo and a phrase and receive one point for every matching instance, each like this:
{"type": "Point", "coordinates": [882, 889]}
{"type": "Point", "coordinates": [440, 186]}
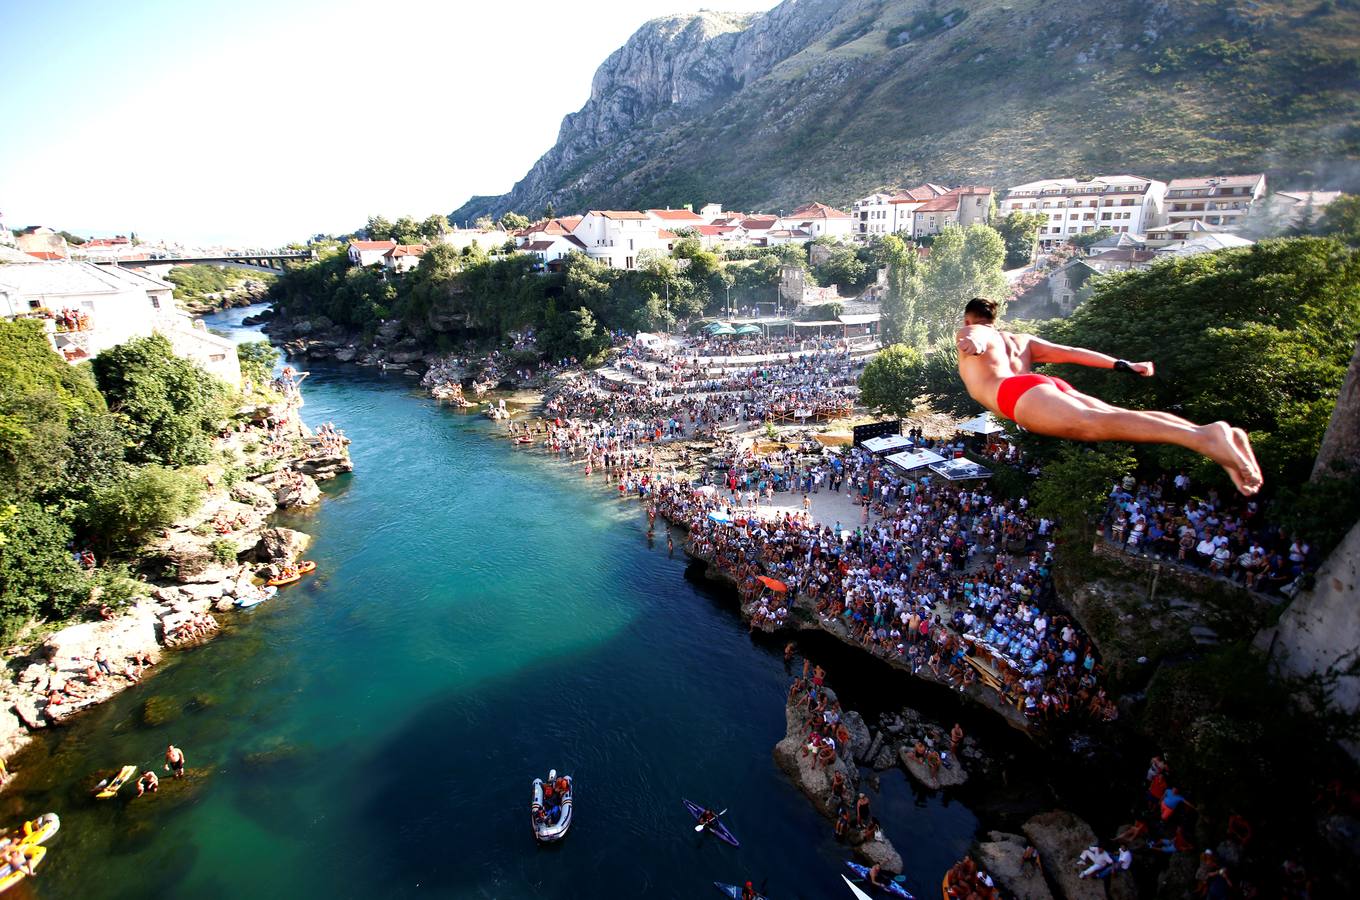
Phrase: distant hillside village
{"type": "Point", "coordinates": [87, 308]}
{"type": "Point", "coordinates": [1119, 222]}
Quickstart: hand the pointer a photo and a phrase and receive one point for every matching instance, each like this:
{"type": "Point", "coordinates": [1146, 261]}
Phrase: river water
{"type": "Point", "coordinates": [478, 616]}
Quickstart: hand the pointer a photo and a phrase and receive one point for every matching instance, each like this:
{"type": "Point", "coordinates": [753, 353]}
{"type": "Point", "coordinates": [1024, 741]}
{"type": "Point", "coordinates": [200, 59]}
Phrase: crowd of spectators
{"type": "Point", "coordinates": [1221, 534]}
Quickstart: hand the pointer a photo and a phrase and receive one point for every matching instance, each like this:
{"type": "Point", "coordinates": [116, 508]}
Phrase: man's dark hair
{"type": "Point", "coordinates": [982, 308]}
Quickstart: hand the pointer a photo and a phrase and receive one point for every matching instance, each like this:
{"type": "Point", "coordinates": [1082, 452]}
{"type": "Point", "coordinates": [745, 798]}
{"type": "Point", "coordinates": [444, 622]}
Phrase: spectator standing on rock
{"type": "Point", "coordinates": [174, 760]}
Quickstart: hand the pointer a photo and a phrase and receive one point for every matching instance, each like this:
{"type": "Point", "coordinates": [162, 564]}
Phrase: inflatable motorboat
{"type": "Point", "coordinates": [9, 876]}
{"type": "Point", "coordinates": [547, 828]}
{"type": "Point", "coordinates": [256, 596]}
{"type": "Point", "coordinates": [34, 831]}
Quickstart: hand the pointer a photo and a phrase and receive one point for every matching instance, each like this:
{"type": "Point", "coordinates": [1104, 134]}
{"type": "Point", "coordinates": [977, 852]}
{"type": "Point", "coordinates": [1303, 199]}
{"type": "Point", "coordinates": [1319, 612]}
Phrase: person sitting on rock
{"type": "Point", "coordinates": [1100, 863]}
{"type": "Point", "coordinates": [918, 752]}
{"type": "Point", "coordinates": [933, 762]}
{"type": "Point", "coordinates": [1030, 863]}
{"type": "Point", "coordinates": [148, 783]}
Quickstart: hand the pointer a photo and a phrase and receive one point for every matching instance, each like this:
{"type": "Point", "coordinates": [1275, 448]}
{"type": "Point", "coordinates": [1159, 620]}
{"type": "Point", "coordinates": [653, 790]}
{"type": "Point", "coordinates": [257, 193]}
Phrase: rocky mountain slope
{"type": "Point", "coordinates": [831, 99]}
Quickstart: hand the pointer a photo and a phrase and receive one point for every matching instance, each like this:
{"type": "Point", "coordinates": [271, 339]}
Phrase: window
{"type": "Point", "coordinates": [628, 262]}
{"type": "Point", "coordinates": [1104, 217]}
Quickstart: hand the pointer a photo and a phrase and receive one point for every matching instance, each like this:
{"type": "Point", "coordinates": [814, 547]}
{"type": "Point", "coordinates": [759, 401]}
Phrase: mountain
{"type": "Point", "coordinates": [829, 100]}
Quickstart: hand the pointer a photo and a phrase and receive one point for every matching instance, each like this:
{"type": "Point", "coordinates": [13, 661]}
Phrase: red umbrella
{"type": "Point", "coordinates": [777, 586]}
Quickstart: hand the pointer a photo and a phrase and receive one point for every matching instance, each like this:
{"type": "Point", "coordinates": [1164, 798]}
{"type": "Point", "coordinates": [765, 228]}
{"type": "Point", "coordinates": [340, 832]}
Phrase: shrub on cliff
{"type": "Point", "coordinates": [38, 576]}
{"type": "Point", "coordinates": [170, 407]}
{"type": "Point", "coordinates": [144, 499]}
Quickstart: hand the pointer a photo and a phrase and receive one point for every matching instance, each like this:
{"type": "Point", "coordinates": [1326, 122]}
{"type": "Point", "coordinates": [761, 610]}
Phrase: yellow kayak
{"type": "Point", "coordinates": [111, 789]}
{"type": "Point", "coordinates": [34, 831]}
{"type": "Point", "coordinates": [10, 877]}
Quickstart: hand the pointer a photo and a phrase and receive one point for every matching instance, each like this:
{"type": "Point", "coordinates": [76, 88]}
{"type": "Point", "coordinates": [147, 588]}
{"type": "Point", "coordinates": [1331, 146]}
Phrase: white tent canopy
{"type": "Point", "coordinates": [961, 470]}
{"type": "Point", "coordinates": [915, 459]}
{"type": "Point", "coordinates": [983, 423]}
{"type": "Point", "coordinates": [886, 442]}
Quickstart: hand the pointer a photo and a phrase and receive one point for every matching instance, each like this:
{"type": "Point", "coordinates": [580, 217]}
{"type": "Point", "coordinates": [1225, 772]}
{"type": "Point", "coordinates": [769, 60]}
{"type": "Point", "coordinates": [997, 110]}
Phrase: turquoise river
{"type": "Point", "coordinates": [479, 616]}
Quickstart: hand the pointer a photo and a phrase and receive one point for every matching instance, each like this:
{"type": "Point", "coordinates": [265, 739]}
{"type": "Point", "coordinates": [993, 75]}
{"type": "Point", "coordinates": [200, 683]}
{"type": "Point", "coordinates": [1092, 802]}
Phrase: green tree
{"type": "Point", "coordinates": [1341, 219]}
{"type": "Point", "coordinates": [40, 395]}
{"type": "Point", "coordinates": [943, 387]}
{"type": "Point", "coordinates": [378, 229]}
{"type": "Point", "coordinates": [131, 508]}
{"type": "Point", "coordinates": [842, 268]}
{"type": "Point", "coordinates": [901, 323]}
{"type": "Point", "coordinates": [893, 380]}
{"type": "Point", "coordinates": [38, 576]}
{"type": "Point", "coordinates": [1020, 231]}
{"type": "Point", "coordinates": [406, 230]}
{"type": "Point", "coordinates": [963, 263]}
{"type": "Point", "coordinates": [513, 221]}
{"type": "Point", "coordinates": [1074, 485]}
{"type": "Point", "coordinates": [1259, 337]}
{"type": "Point", "coordinates": [433, 227]}
{"type": "Point", "coordinates": [171, 407]}
{"type": "Point", "coordinates": [1084, 240]}
{"type": "Point", "coordinates": [257, 359]}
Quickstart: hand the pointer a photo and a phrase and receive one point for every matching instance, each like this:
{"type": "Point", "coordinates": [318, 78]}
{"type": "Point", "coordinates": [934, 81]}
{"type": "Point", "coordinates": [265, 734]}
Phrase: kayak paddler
{"type": "Point", "coordinates": [707, 818]}
{"type": "Point", "coordinates": [748, 892]}
{"type": "Point", "coordinates": [874, 872]}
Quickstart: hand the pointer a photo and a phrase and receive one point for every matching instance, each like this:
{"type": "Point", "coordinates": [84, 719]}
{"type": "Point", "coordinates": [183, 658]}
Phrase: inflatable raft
{"type": "Point", "coordinates": [305, 568]}
{"type": "Point", "coordinates": [258, 596]}
{"type": "Point", "coordinates": [544, 830]}
{"type": "Point", "coordinates": [9, 876]}
{"type": "Point", "coordinates": [34, 831]}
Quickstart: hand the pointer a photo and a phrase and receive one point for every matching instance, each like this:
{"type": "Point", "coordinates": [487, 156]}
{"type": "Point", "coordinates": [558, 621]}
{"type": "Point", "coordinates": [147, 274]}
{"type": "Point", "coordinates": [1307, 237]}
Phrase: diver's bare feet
{"type": "Point", "coordinates": [1234, 454]}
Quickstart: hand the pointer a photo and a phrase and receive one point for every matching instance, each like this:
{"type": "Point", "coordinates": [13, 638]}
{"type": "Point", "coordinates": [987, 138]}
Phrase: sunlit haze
{"type": "Point", "coordinates": [256, 122]}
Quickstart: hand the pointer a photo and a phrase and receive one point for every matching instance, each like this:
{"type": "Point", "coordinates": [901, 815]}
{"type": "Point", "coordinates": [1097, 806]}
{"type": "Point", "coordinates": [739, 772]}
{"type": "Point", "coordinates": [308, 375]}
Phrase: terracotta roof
{"type": "Point", "coordinates": [789, 232]}
{"type": "Point", "coordinates": [575, 240]}
{"type": "Point", "coordinates": [406, 250]}
{"type": "Point", "coordinates": [944, 203]}
{"type": "Point", "coordinates": [972, 190]}
{"type": "Point", "coordinates": [714, 230]}
{"type": "Point", "coordinates": [373, 245]}
{"type": "Point", "coordinates": [1124, 254]}
{"type": "Point", "coordinates": [759, 223]}
{"type": "Point", "coordinates": [666, 235]}
{"type": "Point", "coordinates": [44, 254]}
{"type": "Point", "coordinates": [676, 215]}
{"type": "Point", "coordinates": [818, 211]}
{"type": "Point", "coordinates": [618, 213]}
{"type": "Point", "coordinates": [537, 245]}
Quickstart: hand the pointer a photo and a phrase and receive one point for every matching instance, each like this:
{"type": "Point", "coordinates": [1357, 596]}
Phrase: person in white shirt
{"type": "Point", "coordinates": [1099, 861]}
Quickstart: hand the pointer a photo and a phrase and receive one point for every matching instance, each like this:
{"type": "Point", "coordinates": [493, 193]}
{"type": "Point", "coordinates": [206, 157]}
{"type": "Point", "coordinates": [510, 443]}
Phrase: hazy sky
{"type": "Point", "coordinates": [263, 121]}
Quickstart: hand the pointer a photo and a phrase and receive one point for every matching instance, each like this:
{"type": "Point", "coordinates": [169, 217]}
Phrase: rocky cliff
{"type": "Point", "coordinates": [827, 99]}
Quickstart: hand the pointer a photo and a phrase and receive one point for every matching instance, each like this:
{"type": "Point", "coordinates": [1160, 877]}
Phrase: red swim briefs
{"type": "Point", "coordinates": [1014, 387]}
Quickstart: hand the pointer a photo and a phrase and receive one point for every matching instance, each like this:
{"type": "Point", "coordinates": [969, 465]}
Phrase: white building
{"type": "Point", "coordinates": [88, 308]}
{"type": "Point", "coordinates": [369, 253]}
{"type": "Point", "coordinates": [6, 236]}
{"type": "Point", "coordinates": [961, 206]}
{"type": "Point", "coordinates": [616, 237]}
{"type": "Point", "coordinates": [873, 215]}
{"type": "Point", "coordinates": [403, 257]}
{"type": "Point", "coordinates": [678, 218]}
{"type": "Point", "coordinates": [1127, 204]}
{"type": "Point", "coordinates": [1222, 200]}
{"type": "Point", "coordinates": [550, 249]}
{"type": "Point", "coordinates": [486, 240]}
{"type": "Point", "coordinates": [817, 220]}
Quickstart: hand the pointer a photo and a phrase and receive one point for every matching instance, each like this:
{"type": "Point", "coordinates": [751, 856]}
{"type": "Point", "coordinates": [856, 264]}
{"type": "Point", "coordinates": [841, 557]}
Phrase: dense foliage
{"type": "Point", "coordinates": [1259, 337]}
{"type": "Point", "coordinates": [170, 409]}
{"type": "Point", "coordinates": [925, 296]}
{"type": "Point", "coordinates": [471, 294]}
{"type": "Point", "coordinates": [406, 230]}
{"type": "Point", "coordinates": [893, 380]}
{"type": "Point", "coordinates": [1020, 231]}
{"type": "Point", "coordinates": [198, 282]}
{"type": "Point", "coordinates": [70, 469]}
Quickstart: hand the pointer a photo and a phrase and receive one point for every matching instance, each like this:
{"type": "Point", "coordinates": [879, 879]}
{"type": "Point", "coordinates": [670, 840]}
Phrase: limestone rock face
{"type": "Point", "coordinates": [282, 545]}
{"type": "Point", "coordinates": [999, 856]}
{"type": "Point", "coordinates": [859, 733]}
{"type": "Point", "coordinates": [945, 777]}
{"type": "Point", "coordinates": [252, 494]}
{"type": "Point", "coordinates": [304, 493]}
{"type": "Point", "coordinates": [671, 68]}
{"type": "Point", "coordinates": [1060, 838]}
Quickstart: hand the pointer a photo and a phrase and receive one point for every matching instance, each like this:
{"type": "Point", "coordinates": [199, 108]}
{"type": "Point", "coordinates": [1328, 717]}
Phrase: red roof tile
{"type": "Point", "coordinates": [676, 215]}
{"type": "Point", "coordinates": [818, 211]}
{"type": "Point", "coordinates": [373, 245]}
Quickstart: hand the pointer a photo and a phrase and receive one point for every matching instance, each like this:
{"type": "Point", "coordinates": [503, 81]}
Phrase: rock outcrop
{"type": "Point", "coordinates": [999, 856]}
{"type": "Point", "coordinates": [1060, 838]}
{"type": "Point", "coordinates": [282, 545]}
{"type": "Point", "coordinates": [815, 780]}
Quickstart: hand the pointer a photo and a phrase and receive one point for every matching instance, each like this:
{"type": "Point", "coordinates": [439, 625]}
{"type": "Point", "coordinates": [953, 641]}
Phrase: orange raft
{"type": "Point", "coordinates": [304, 568]}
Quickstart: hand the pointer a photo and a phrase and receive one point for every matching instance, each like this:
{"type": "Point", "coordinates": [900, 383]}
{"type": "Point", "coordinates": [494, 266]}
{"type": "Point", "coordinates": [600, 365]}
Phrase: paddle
{"type": "Point", "coordinates": [706, 824]}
